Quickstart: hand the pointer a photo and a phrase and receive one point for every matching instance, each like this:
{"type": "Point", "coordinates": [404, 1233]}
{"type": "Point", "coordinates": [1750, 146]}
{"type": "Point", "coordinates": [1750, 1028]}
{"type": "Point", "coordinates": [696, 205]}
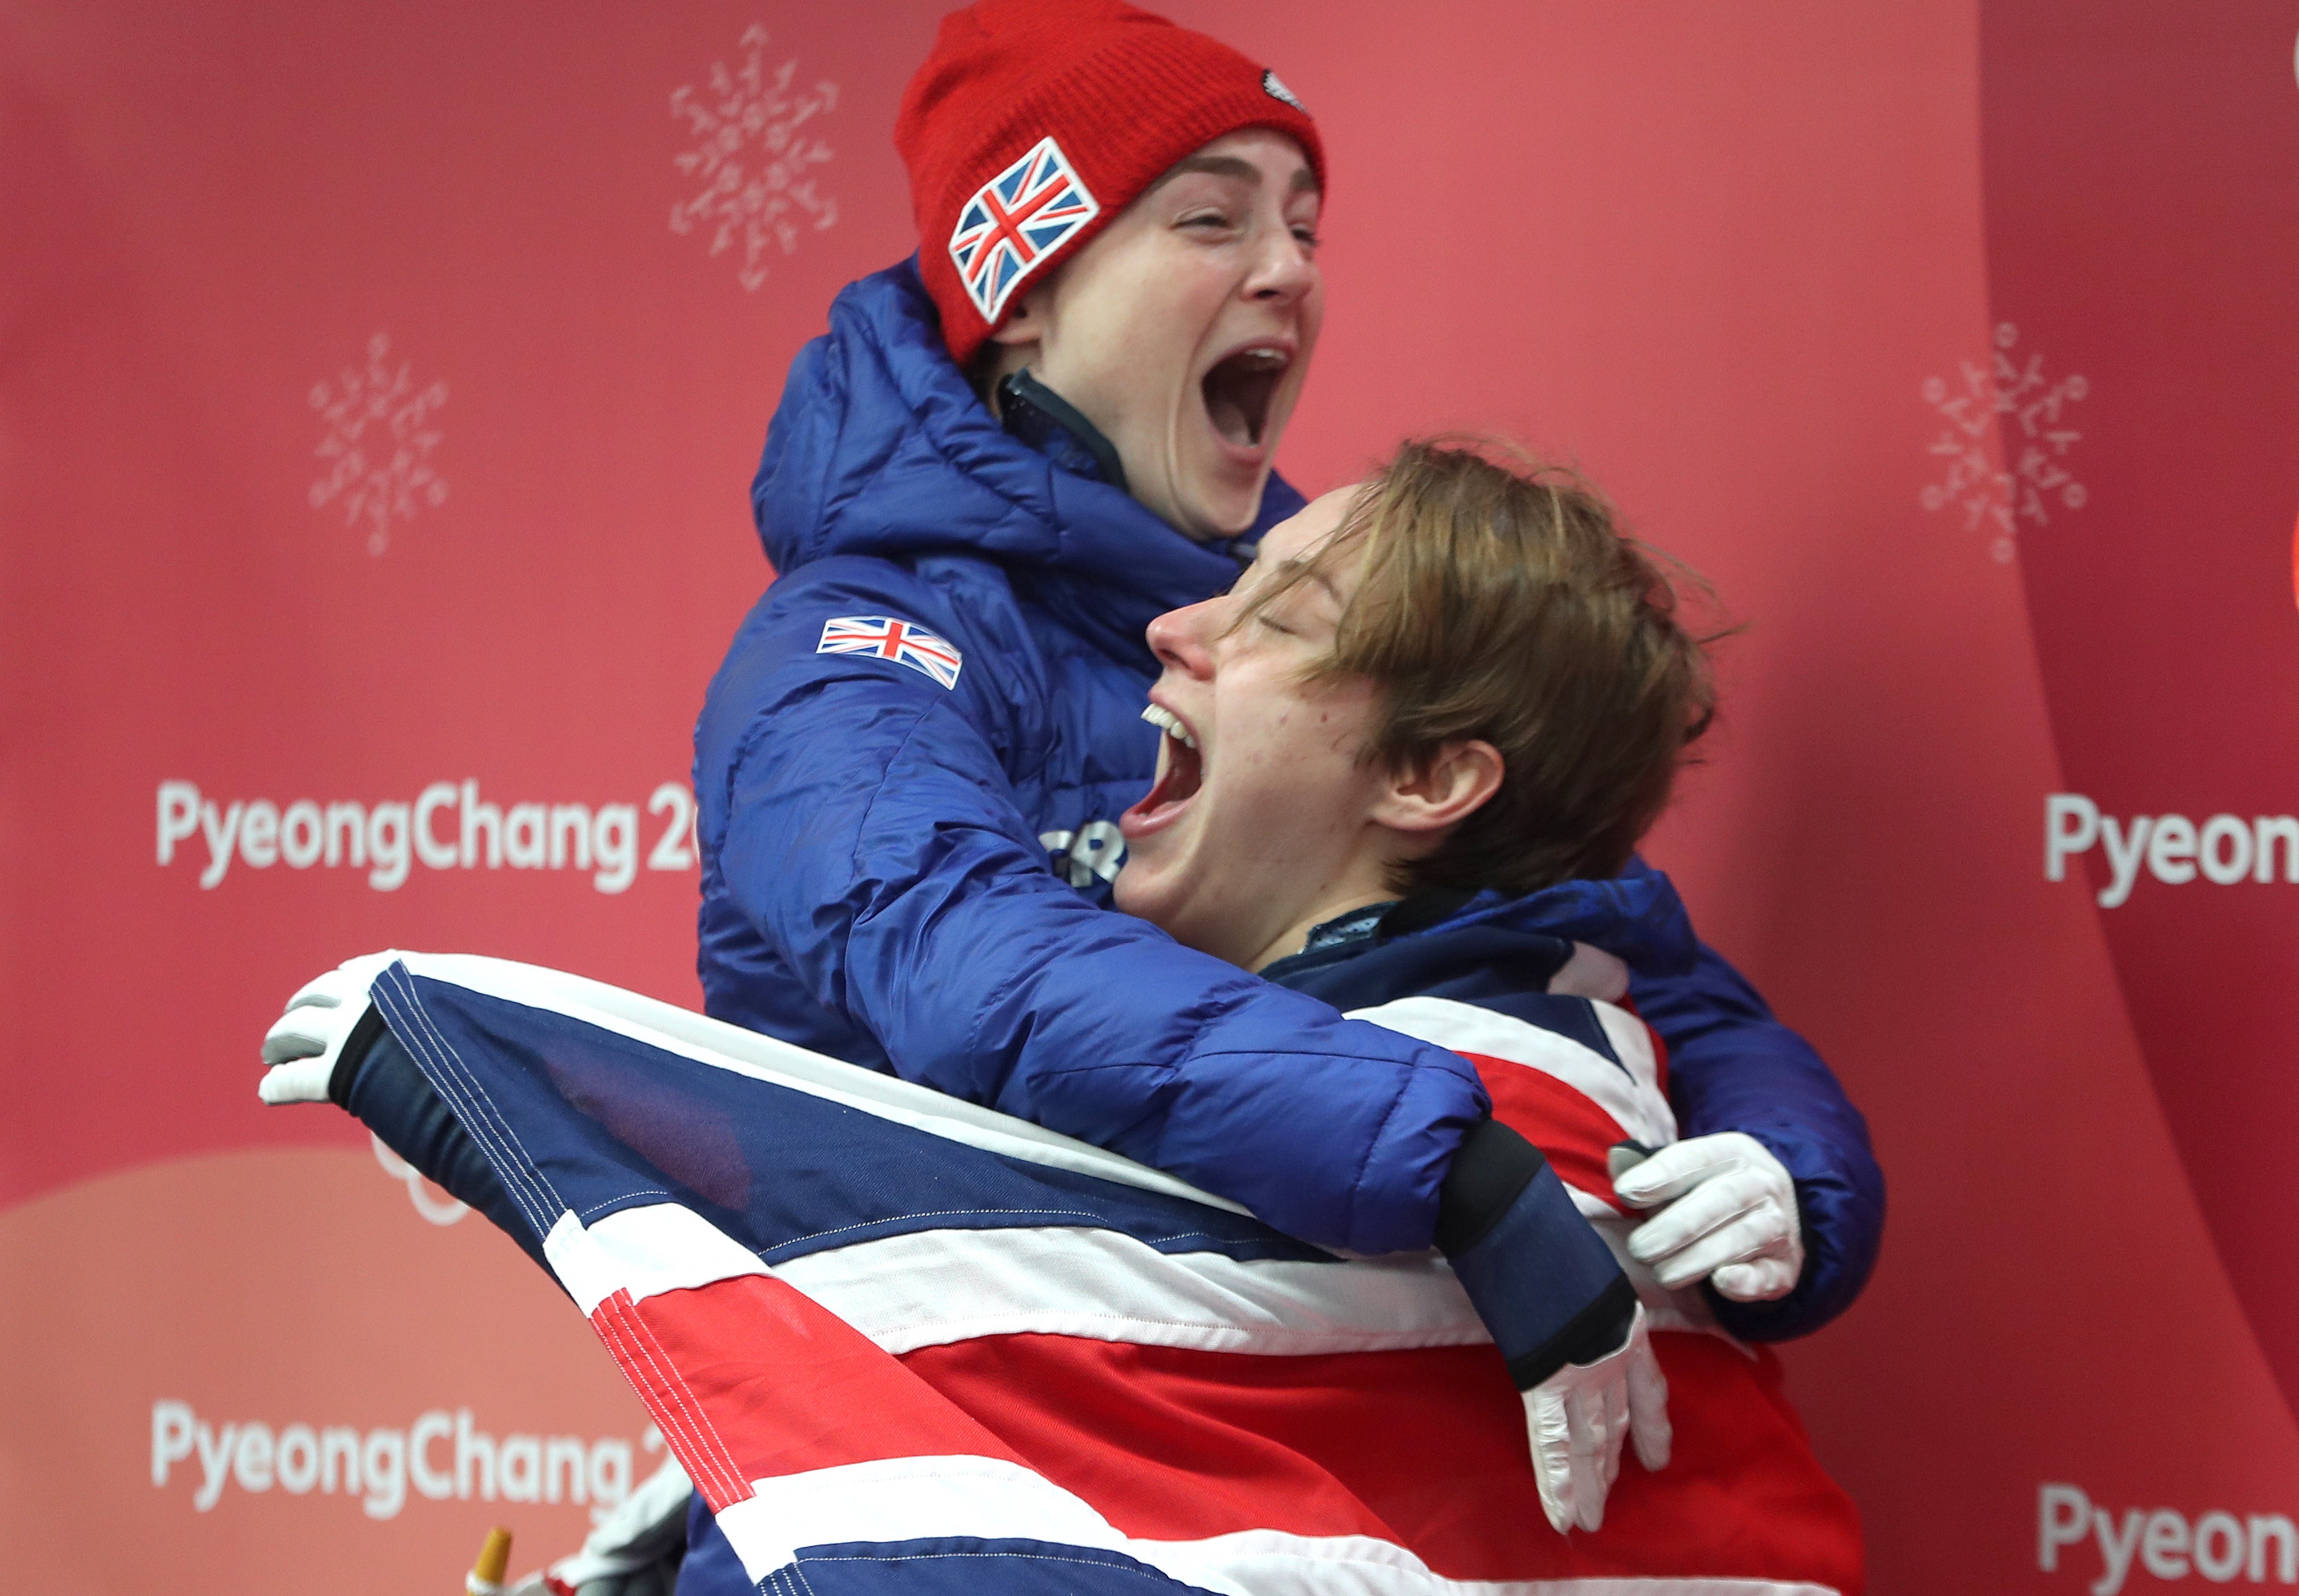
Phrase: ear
{"type": "Point", "coordinates": [1442, 791]}
{"type": "Point", "coordinates": [1026, 324]}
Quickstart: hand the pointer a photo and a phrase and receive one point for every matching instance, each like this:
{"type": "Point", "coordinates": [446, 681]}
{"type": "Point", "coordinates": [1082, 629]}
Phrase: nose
{"type": "Point", "coordinates": [1181, 639]}
{"type": "Point", "coordinates": [1285, 273]}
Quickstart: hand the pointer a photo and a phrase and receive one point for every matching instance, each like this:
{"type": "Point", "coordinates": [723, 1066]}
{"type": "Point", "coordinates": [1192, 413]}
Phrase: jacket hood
{"type": "Point", "coordinates": [1637, 916]}
{"type": "Point", "coordinates": [882, 448]}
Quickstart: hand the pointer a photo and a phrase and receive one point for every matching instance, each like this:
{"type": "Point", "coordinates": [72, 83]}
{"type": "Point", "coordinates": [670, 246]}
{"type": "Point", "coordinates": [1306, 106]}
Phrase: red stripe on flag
{"type": "Point", "coordinates": [655, 1373]}
{"type": "Point", "coordinates": [1566, 1125]}
{"type": "Point", "coordinates": [1659, 1047]}
{"type": "Point", "coordinates": [792, 1387]}
{"type": "Point", "coordinates": [1425, 1449]}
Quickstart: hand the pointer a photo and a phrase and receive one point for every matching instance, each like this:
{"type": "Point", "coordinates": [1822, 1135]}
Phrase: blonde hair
{"type": "Point", "coordinates": [1496, 599]}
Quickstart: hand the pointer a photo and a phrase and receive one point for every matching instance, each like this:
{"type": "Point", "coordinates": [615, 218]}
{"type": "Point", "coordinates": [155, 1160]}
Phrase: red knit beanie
{"type": "Point", "coordinates": [1034, 123]}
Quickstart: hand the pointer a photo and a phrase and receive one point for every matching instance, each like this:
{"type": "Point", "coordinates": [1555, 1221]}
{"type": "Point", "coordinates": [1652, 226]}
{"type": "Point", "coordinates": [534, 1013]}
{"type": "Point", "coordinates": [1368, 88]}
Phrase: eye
{"type": "Point", "coordinates": [1305, 234]}
{"type": "Point", "coordinates": [1274, 624]}
{"type": "Point", "coordinates": [1214, 221]}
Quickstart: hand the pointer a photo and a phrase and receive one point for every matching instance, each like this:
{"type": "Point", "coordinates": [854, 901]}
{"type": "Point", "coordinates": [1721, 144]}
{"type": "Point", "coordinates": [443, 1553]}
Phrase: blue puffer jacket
{"type": "Point", "coordinates": [876, 845]}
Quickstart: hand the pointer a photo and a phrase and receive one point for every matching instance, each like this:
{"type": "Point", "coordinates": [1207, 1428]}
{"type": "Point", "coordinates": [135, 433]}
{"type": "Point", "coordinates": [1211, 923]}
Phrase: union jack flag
{"type": "Point", "coordinates": [905, 1345]}
{"type": "Point", "coordinates": [904, 642]}
{"type": "Point", "coordinates": [1014, 221]}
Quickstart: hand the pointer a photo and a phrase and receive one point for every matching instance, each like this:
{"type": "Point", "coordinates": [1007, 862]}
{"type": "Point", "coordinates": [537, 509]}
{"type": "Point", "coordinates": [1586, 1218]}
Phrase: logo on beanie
{"type": "Point", "coordinates": [1014, 221]}
{"type": "Point", "coordinates": [1274, 87]}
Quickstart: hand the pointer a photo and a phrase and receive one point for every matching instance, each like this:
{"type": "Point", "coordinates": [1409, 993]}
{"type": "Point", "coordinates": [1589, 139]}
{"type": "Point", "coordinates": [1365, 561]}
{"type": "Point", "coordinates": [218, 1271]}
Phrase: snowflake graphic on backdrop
{"type": "Point", "coordinates": [378, 444]}
{"type": "Point", "coordinates": [754, 164]}
{"type": "Point", "coordinates": [2034, 437]}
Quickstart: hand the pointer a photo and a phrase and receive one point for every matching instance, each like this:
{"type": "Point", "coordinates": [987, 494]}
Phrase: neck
{"type": "Point", "coordinates": [1360, 887]}
{"type": "Point", "coordinates": [1296, 937]}
{"type": "Point", "coordinates": [1051, 424]}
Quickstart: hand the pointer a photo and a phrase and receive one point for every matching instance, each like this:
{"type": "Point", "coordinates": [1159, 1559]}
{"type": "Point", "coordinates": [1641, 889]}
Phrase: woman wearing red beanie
{"type": "Point", "coordinates": [1131, 211]}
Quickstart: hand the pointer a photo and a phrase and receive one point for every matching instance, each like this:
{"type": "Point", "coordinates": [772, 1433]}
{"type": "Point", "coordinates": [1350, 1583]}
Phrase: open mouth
{"type": "Point", "coordinates": [1181, 772]}
{"type": "Point", "coordinates": [1239, 390]}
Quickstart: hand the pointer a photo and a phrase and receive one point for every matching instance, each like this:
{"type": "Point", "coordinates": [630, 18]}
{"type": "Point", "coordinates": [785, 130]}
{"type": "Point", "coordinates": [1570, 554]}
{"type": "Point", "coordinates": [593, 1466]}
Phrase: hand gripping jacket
{"type": "Point", "coordinates": [876, 843]}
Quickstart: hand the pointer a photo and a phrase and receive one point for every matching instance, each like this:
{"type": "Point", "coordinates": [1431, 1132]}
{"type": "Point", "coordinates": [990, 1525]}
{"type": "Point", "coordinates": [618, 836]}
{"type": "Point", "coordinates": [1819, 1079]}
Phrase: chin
{"type": "Point", "coordinates": [1139, 896]}
{"type": "Point", "coordinates": [1227, 512]}
{"type": "Point", "coordinates": [1135, 892]}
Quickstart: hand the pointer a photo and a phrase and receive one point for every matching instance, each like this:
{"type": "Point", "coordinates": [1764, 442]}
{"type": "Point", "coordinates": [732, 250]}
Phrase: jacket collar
{"type": "Point", "coordinates": [882, 448]}
{"type": "Point", "coordinates": [1637, 916]}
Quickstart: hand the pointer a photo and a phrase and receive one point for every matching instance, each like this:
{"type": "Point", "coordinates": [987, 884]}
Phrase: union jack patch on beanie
{"type": "Point", "coordinates": [1015, 222]}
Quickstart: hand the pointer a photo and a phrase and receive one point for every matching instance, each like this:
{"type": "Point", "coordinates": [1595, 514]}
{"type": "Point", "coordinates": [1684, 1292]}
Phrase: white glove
{"type": "Point", "coordinates": [302, 1044]}
{"type": "Point", "coordinates": [1578, 1418]}
{"type": "Point", "coordinates": [1731, 1217]}
{"type": "Point", "coordinates": [632, 1552]}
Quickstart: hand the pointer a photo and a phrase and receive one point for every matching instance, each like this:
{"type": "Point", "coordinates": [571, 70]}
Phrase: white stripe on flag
{"type": "Point", "coordinates": [907, 1499]}
{"type": "Point", "coordinates": [662, 1247]}
{"type": "Point", "coordinates": [1270, 1563]}
{"type": "Point", "coordinates": [934, 1287]}
{"type": "Point", "coordinates": [1273, 1562]}
{"type": "Point", "coordinates": [913, 1499]}
{"type": "Point", "coordinates": [1629, 1091]}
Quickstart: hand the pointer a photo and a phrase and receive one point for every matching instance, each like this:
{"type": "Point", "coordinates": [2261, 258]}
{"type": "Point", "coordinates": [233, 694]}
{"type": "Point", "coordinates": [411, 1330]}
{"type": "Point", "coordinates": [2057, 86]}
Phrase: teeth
{"type": "Point", "coordinates": [1268, 359]}
{"type": "Point", "coordinates": [1168, 722]}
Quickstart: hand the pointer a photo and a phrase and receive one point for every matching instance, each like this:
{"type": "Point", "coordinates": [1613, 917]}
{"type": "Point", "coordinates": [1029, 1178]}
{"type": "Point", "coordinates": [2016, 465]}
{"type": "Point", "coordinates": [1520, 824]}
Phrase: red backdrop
{"type": "Point", "coordinates": [378, 389]}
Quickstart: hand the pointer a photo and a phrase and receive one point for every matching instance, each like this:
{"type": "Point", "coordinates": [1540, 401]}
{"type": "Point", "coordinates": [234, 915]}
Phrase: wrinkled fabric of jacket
{"type": "Point", "coordinates": [916, 877]}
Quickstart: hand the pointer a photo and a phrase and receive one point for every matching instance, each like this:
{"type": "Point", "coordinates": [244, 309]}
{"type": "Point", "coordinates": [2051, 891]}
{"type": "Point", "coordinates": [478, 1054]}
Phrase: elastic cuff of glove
{"type": "Point", "coordinates": [365, 1032]}
{"type": "Point", "coordinates": [1490, 1171]}
{"type": "Point", "coordinates": [1598, 1331]}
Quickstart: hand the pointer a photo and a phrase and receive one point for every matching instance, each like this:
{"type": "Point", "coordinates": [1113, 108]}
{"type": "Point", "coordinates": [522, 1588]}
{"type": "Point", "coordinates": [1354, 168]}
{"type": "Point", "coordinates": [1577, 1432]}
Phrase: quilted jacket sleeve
{"type": "Point", "coordinates": [1733, 1067]}
{"type": "Point", "coordinates": [864, 821]}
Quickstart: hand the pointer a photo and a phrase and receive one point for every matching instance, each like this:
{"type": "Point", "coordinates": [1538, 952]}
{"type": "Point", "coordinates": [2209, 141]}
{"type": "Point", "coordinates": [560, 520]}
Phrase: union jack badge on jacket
{"type": "Point", "coordinates": [1014, 221]}
{"type": "Point", "coordinates": [883, 637]}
